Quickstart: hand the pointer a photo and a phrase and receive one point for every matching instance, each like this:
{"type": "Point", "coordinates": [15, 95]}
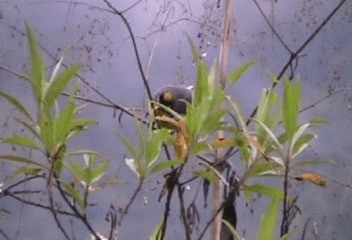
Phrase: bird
{"type": "Point", "coordinates": [173, 97]}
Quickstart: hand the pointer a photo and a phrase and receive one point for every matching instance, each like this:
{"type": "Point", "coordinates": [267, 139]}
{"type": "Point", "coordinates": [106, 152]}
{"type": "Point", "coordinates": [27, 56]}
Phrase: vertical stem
{"type": "Point", "coordinates": [285, 209]}
{"type": "Point", "coordinates": [223, 62]}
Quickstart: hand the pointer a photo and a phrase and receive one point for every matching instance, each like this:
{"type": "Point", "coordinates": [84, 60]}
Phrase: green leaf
{"type": "Point", "coordinates": [58, 85]}
{"type": "Point", "coordinates": [130, 146]}
{"type": "Point", "coordinates": [289, 235]}
{"type": "Point", "coordinates": [238, 114]}
{"type": "Point", "coordinates": [154, 145]}
{"type": "Point", "coordinates": [233, 231]}
{"type": "Point", "coordinates": [301, 144]}
{"type": "Point", "coordinates": [271, 135]}
{"type": "Point", "coordinates": [210, 176]}
{"type": "Point", "coordinates": [131, 164]}
{"type": "Point", "coordinates": [166, 165]}
{"type": "Point", "coordinates": [212, 78]}
{"type": "Point", "coordinates": [296, 136]}
{"type": "Point", "coordinates": [268, 222]}
{"type": "Point", "coordinates": [202, 88]}
{"type": "Point", "coordinates": [271, 192]}
{"type": "Point", "coordinates": [19, 159]}
{"type": "Point", "coordinates": [17, 104]}
{"type": "Point", "coordinates": [77, 172]}
{"type": "Point", "coordinates": [212, 124]}
{"type": "Point", "coordinates": [21, 141]}
{"type": "Point", "coordinates": [308, 163]}
{"type": "Point", "coordinates": [318, 120]}
{"type": "Point", "coordinates": [202, 85]}
{"type": "Point", "coordinates": [47, 131]}
{"type": "Point", "coordinates": [23, 171]}
{"type": "Point", "coordinates": [266, 113]}
{"type": "Point", "coordinates": [157, 232]}
{"type": "Point", "coordinates": [88, 152]}
{"type": "Point", "coordinates": [237, 74]}
{"type": "Point", "coordinates": [99, 172]}
{"type": "Point", "coordinates": [263, 169]}
{"type": "Point", "coordinates": [292, 106]}
{"type": "Point", "coordinates": [75, 194]}
{"type": "Point", "coordinates": [30, 128]}
{"type": "Point", "coordinates": [110, 182]}
{"type": "Point", "coordinates": [38, 77]}
{"type": "Point", "coordinates": [63, 123]}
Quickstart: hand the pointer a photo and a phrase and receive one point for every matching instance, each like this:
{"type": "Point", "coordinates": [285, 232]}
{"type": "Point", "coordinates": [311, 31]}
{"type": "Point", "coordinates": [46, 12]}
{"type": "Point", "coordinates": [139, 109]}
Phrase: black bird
{"type": "Point", "coordinates": [174, 97]}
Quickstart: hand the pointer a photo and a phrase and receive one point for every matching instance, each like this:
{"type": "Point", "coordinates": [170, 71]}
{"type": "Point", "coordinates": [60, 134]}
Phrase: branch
{"type": "Point", "coordinates": [272, 27]}
{"type": "Point", "coordinates": [38, 205]}
{"type": "Point", "coordinates": [53, 211]}
{"type": "Point", "coordinates": [218, 186]}
{"type": "Point", "coordinates": [125, 210]}
{"type": "Point", "coordinates": [296, 54]}
{"type": "Point", "coordinates": [139, 63]}
{"type": "Point", "coordinates": [76, 211]}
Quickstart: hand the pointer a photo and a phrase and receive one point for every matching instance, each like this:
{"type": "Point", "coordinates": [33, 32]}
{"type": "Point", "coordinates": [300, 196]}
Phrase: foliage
{"type": "Point", "coordinates": [269, 144]}
{"type": "Point", "coordinates": [52, 128]}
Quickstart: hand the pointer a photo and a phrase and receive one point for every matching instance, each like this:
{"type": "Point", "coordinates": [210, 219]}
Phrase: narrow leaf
{"type": "Point", "coordinates": [271, 135]}
{"type": "Point", "coordinates": [75, 194]}
{"type": "Point", "coordinates": [131, 163]}
{"type": "Point", "coordinates": [21, 141]}
{"type": "Point", "coordinates": [268, 222]}
{"type": "Point", "coordinates": [237, 74]}
{"type": "Point", "coordinates": [238, 113]}
{"type": "Point", "coordinates": [19, 159]}
{"type": "Point", "coordinates": [157, 232]}
{"type": "Point", "coordinates": [233, 231]}
{"type": "Point", "coordinates": [58, 85]}
{"type": "Point", "coordinates": [99, 172]}
{"type": "Point", "coordinates": [166, 165]}
{"type": "Point", "coordinates": [296, 135]}
{"type": "Point", "coordinates": [17, 104]}
{"type": "Point", "coordinates": [202, 87]}
{"type": "Point", "coordinates": [210, 176]}
{"type": "Point", "coordinates": [291, 106]}
{"type": "Point", "coordinates": [129, 145]}
{"type": "Point", "coordinates": [271, 192]}
{"type": "Point", "coordinates": [312, 162]}
{"type": "Point", "coordinates": [301, 144]}
{"type": "Point", "coordinates": [30, 128]}
{"type": "Point", "coordinates": [38, 78]}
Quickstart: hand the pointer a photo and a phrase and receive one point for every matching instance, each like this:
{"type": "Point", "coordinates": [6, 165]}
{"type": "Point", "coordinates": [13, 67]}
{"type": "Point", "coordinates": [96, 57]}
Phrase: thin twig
{"type": "Point", "coordinates": [183, 211]}
{"type": "Point", "coordinates": [272, 27]}
{"type": "Point", "coordinates": [53, 211]}
{"type": "Point", "coordinates": [223, 63]}
{"type": "Point", "coordinates": [297, 53]}
{"type": "Point", "coordinates": [76, 211]}
{"type": "Point", "coordinates": [128, 205]}
{"type": "Point", "coordinates": [38, 205]}
{"type": "Point", "coordinates": [135, 48]}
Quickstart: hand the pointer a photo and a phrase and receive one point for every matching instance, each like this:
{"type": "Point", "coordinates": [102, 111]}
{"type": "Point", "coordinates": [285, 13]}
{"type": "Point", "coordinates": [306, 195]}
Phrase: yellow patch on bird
{"type": "Point", "coordinates": [169, 97]}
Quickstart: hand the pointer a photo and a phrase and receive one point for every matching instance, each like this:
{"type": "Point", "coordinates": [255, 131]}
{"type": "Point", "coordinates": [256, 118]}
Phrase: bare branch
{"type": "Point", "coordinates": [272, 27]}
{"type": "Point", "coordinates": [296, 54]}
{"type": "Point", "coordinates": [125, 210]}
{"type": "Point", "coordinates": [135, 48]}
